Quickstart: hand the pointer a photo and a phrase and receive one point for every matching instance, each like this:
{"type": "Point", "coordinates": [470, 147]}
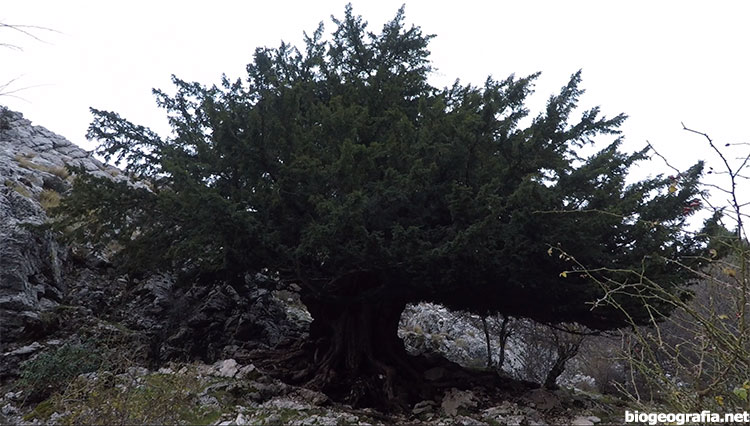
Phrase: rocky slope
{"type": "Point", "coordinates": [48, 290]}
{"type": "Point", "coordinates": [32, 177]}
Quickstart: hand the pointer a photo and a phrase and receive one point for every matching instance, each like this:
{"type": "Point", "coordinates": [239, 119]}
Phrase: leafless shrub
{"type": "Point", "coordinates": [699, 358]}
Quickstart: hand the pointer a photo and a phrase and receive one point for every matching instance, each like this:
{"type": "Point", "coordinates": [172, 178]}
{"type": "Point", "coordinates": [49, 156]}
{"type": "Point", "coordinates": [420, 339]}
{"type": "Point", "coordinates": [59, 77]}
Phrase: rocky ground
{"type": "Point", "coordinates": [81, 344]}
{"type": "Point", "coordinates": [229, 393]}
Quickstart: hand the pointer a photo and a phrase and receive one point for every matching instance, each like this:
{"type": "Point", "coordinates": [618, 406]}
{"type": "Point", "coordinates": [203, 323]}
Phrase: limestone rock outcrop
{"type": "Point", "coordinates": [48, 289]}
{"type": "Point", "coordinates": [32, 179]}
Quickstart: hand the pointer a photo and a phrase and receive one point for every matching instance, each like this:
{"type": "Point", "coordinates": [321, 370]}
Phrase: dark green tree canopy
{"type": "Point", "coordinates": [339, 167]}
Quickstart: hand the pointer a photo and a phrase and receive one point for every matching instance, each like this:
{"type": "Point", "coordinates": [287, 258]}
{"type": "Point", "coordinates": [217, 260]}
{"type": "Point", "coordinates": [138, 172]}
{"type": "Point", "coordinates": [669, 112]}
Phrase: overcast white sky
{"type": "Point", "coordinates": [660, 62]}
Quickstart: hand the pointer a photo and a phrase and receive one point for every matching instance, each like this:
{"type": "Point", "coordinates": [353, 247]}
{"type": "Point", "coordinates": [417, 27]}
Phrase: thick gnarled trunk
{"type": "Point", "coordinates": [357, 354]}
{"type": "Point", "coordinates": [354, 355]}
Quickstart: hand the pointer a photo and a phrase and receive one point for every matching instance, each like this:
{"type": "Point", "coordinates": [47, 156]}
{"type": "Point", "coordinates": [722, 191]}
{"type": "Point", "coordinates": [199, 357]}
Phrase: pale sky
{"type": "Point", "coordinates": [660, 62]}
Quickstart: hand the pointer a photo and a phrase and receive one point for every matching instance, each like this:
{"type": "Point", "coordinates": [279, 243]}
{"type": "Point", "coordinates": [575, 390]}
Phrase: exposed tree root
{"type": "Point", "coordinates": [354, 355]}
{"type": "Point", "coordinates": [395, 384]}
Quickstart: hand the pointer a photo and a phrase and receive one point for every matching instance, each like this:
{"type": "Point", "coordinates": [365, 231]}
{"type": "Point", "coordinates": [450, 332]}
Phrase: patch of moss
{"type": "Point", "coordinates": [202, 417]}
{"type": "Point", "coordinates": [287, 414]}
{"type": "Point", "coordinates": [42, 411]}
{"type": "Point", "coordinates": [493, 422]}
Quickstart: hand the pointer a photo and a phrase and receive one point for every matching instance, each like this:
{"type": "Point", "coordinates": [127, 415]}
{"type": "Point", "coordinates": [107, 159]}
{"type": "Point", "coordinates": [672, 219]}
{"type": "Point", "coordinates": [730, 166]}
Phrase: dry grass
{"type": "Point", "coordinates": [25, 162]}
{"type": "Point", "coordinates": [49, 198]}
{"type": "Point", "coordinates": [21, 189]}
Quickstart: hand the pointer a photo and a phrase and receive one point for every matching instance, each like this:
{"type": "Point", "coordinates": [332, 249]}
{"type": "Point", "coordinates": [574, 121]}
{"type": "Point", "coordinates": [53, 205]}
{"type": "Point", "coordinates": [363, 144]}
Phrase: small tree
{"type": "Point", "coordinates": [502, 339]}
{"type": "Point", "coordinates": [339, 168]}
{"type": "Point", "coordinates": [566, 343]}
{"type": "Point", "coordinates": [497, 328]}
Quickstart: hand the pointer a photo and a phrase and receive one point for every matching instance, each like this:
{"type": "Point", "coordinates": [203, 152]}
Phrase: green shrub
{"type": "Point", "coordinates": [52, 371]}
{"type": "Point", "coordinates": [151, 399]}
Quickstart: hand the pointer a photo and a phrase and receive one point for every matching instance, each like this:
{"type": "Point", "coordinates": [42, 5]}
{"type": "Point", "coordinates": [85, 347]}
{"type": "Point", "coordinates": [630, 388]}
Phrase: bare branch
{"type": "Point", "coordinates": [732, 175]}
{"type": "Point", "coordinates": [25, 30]}
{"type": "Point", "coordinates": [651, 147]}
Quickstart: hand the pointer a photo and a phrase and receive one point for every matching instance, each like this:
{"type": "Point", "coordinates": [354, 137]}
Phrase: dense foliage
{"type": "Point", "coordinates": [340, 168]}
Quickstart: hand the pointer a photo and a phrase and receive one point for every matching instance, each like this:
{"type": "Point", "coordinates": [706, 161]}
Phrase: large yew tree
{"type": "Point", "coordinates": [338, 167]}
